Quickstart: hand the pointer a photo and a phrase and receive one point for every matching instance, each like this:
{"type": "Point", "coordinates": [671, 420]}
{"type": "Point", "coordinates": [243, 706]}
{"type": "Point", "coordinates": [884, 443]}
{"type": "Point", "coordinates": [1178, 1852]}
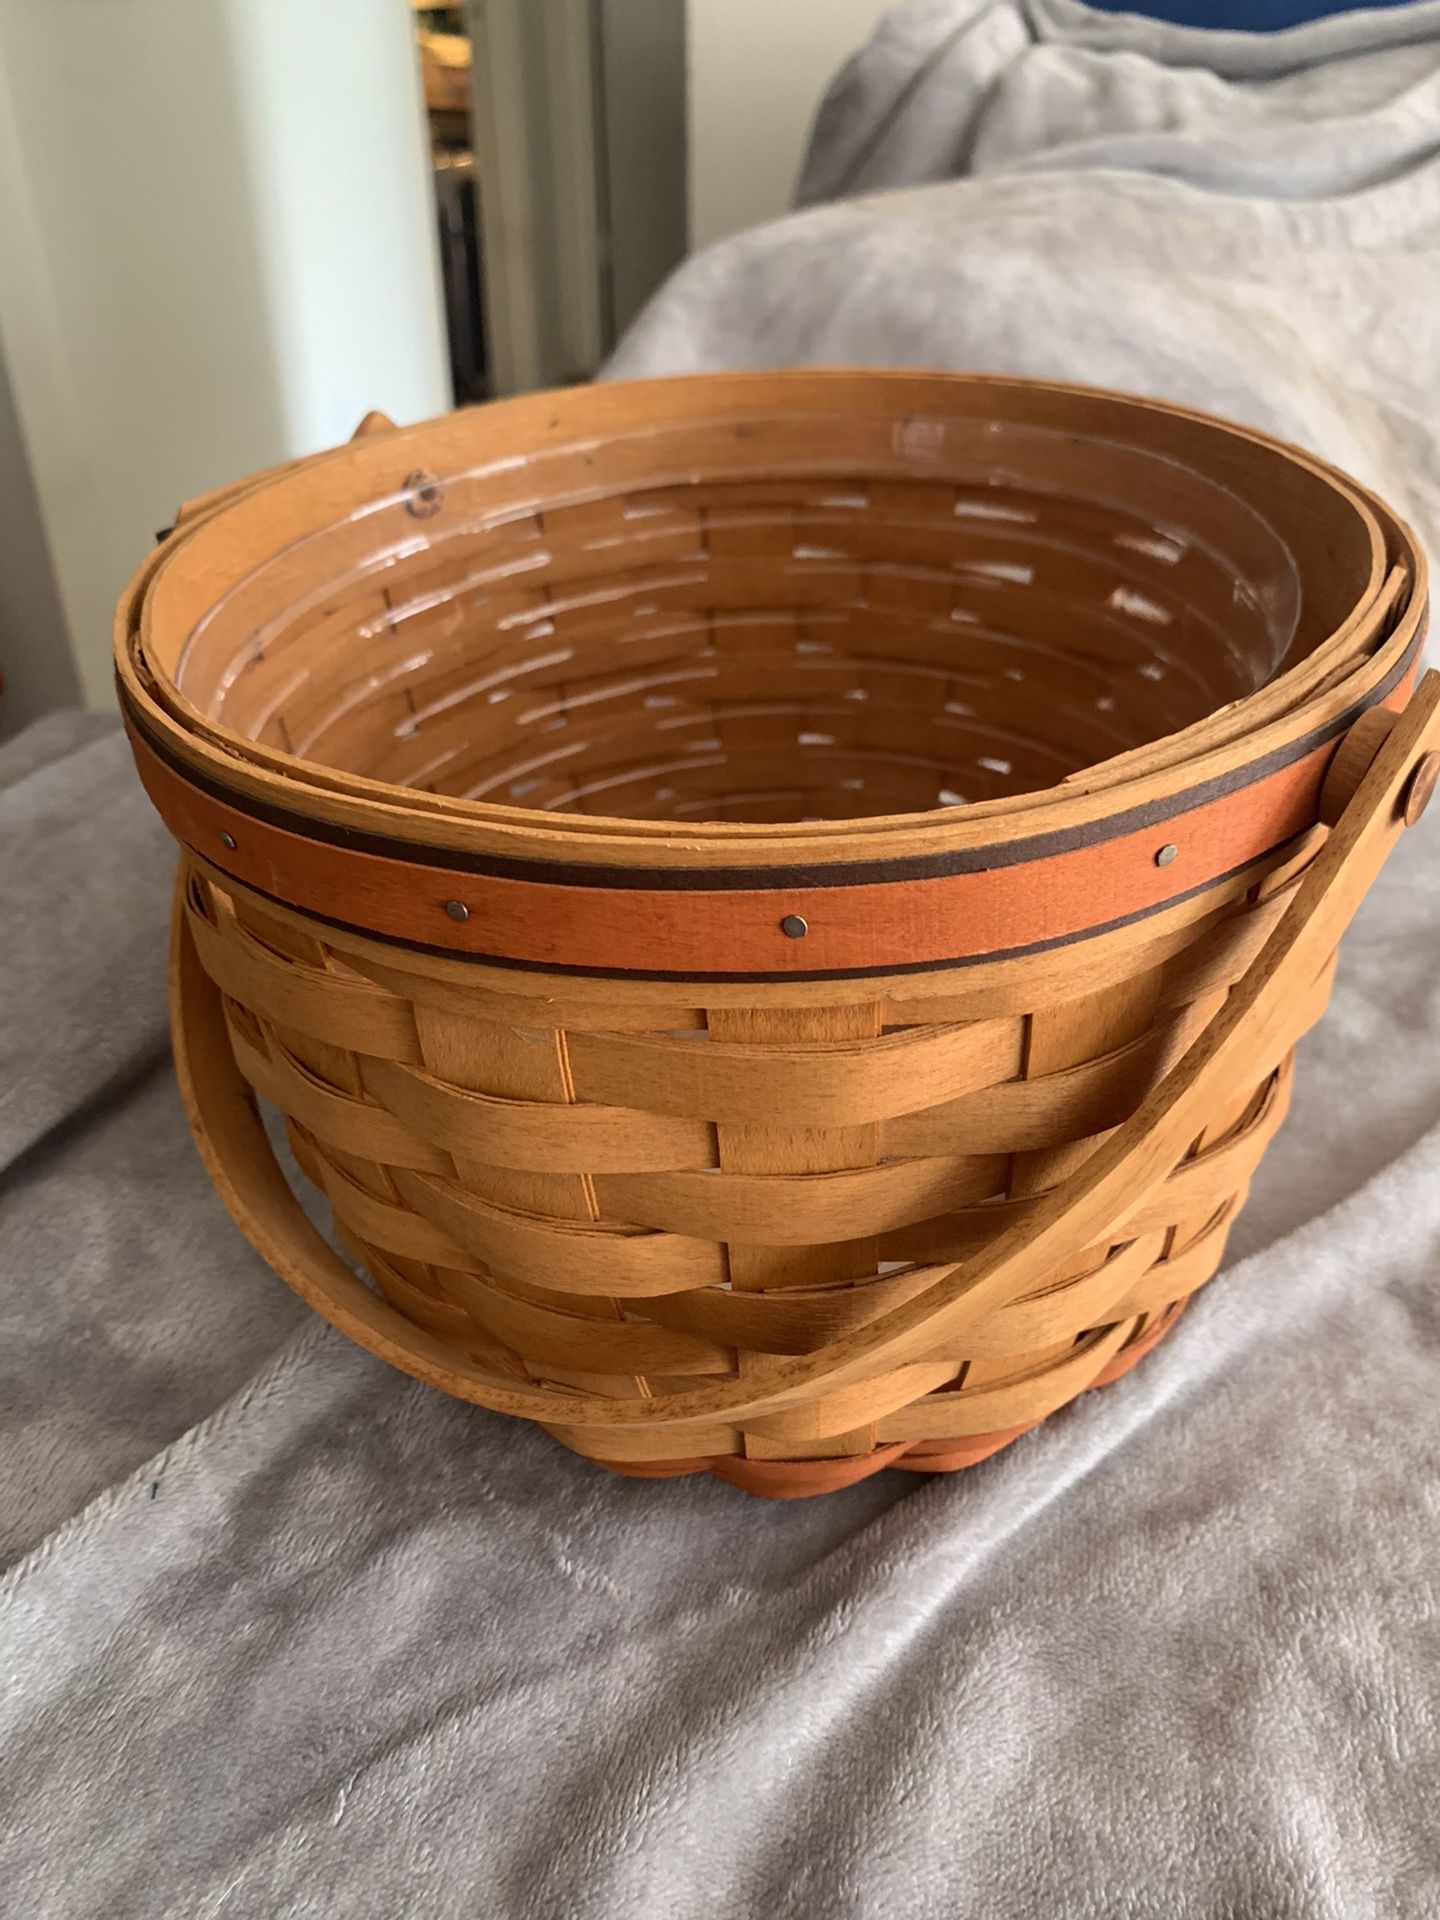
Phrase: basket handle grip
{"type": "Point", "coordinates": [1092, 1204]}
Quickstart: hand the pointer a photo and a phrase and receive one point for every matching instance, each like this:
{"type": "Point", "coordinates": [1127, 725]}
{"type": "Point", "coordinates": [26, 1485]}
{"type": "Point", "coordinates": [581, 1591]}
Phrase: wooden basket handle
{"type": "Point", "coordinates": [1093, 1205]}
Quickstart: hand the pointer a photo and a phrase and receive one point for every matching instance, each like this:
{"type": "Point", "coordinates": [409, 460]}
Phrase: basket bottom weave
{"type": "Point", "coordinates": [799, 1479]}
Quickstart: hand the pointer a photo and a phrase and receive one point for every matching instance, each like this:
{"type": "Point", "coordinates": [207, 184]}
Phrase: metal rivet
{"type": "Point", "coordinates": [426, 495]}
{"type": "Point", "coordinates": [457, 910]}
{"type": "Point", "coordinates": [1420, 788]}
{"type": "Point", "coordinates": [228, 840]}
{"type": "Point", "coordinates": [1166, 855]}
{"type": "Point", "coordinates": [793, 927]}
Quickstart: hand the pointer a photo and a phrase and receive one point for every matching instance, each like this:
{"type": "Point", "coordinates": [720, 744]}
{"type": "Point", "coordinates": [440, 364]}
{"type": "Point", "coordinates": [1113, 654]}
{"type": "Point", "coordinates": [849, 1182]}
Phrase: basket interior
{"type": "Point", "coordinates": [870, 616]}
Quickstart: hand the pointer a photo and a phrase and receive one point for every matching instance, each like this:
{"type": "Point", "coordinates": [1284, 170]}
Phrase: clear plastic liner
{"type": "Point", "coordinates": [797, 616]}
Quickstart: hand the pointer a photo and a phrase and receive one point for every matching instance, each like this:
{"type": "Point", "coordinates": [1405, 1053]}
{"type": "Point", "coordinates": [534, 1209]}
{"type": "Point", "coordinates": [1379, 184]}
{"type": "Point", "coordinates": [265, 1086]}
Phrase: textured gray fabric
{"type": "Point", "coordinates": [289, 1635]}
{"type": "Point", "coordinates": [129, 1308]}
{"type": "Point", "coordinates": [1262, 244]}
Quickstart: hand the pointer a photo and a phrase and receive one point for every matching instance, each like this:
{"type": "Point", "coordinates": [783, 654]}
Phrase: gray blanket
{"type": "Point", "coordinates": [286, 1634]}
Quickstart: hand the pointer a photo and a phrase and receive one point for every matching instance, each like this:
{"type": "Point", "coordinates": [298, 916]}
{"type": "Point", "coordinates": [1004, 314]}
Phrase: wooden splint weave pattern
{"type": "Point", "coordinates": [777, 909]}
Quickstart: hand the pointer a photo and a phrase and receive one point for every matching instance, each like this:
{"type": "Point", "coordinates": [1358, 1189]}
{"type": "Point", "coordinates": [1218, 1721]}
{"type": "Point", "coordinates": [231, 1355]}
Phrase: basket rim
{"type": "Point", "coordinates": [1319, 689]}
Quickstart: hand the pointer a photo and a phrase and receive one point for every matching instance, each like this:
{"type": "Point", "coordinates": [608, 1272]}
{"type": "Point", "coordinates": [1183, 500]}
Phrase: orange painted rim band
{"type": "Point", "coordinates": [927, 913]}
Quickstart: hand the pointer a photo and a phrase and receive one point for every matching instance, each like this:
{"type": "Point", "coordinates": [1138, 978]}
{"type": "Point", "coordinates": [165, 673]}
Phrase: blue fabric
{"type": "Point", "coordinates": [1248, 16]}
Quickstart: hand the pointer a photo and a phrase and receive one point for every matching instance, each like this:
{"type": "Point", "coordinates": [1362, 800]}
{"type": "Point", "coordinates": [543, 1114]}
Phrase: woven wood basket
{"type": "Point", "coordinates": [776, 908]}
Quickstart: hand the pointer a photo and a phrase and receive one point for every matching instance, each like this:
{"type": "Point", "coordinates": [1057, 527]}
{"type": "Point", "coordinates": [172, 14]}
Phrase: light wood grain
{"type": "Point", "coordinates": [788, 1230]}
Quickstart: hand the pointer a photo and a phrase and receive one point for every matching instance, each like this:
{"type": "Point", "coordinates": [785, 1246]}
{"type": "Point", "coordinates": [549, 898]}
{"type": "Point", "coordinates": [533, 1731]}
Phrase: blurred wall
{"type": "Point", "coordinates": [216, 251]}
{"type": "Point", "coordinates": [36, 664]}
{"type": "Point", "coordinates": [757, 71]}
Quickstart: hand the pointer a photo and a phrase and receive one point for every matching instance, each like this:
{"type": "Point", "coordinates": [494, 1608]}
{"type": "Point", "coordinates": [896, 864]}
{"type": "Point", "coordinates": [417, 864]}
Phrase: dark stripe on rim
{"type": "Point", "coordinates": [776, 879]}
